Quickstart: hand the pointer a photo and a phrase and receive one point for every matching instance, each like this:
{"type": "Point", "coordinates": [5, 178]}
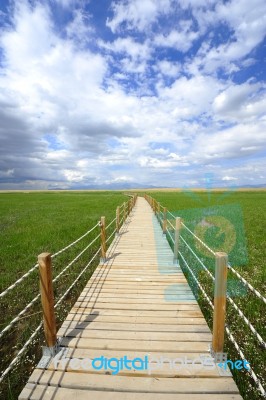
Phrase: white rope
{"type": "Point", "coordinates": [36, 265]}
{"type": "Point", "coordinates": [199, 240]}
{"type": "Point", "coordinates": [111, 235]}
{"type": "Point", "coordinates": [247, 322]}
{"type": "Point", "coordinates": [247, 284]}
{"type": "Point", "coordinates": [250, 370]}
{"type": "Point", "coordinates": [230, 300]}
{"type": "Point", "coordinates": [82, 272]}
{"type": "Point", "coordinates": [13, 362]}
{"type": "Point", "coordinates": [40, 325]}
{"type": "Point", "coordinates": [75, 259]}
{"type": "Point", "coordinates": [171, 224]}
{"type": "Point", "coordinates": [110, 223]}
{"type": "Point", "coordinates": [199, 285]}
{"type": "Point", "coordinates": [160, 218]}
{"type": "Point", "coordinates": [167, 230]}
{"type": "Point", "coordinates": [76, 241]}
{"type": "Point", "coordinates": [17, 318]}
{"type": "Point", "coordinates": [204, 266]}
{"type": "Point", "coordinates": [18, 281]}
{"type": "Point", "coordinates": [195, 236]}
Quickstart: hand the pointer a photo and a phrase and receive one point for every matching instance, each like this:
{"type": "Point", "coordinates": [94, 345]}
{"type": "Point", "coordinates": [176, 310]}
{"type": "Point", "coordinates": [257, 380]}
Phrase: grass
{"type": "Point", "coordinates": [32, 223]}
{"type": "Point", "coordinates": [242, 218]}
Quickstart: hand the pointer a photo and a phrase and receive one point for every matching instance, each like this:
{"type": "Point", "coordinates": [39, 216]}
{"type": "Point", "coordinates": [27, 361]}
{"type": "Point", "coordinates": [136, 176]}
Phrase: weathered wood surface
{"type": "Point", "coordinates": [137, 304]}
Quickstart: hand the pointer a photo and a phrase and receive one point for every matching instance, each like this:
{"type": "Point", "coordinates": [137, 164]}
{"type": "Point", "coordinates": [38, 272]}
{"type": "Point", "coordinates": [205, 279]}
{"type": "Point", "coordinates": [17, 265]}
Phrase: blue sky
{"type": "Point", "coordinates": [155, 92]}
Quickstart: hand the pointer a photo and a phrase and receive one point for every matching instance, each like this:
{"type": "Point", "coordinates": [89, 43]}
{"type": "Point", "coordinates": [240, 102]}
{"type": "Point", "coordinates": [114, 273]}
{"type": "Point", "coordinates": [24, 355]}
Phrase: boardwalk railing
{"type": "Point", "coordinates": [175, 230]}
{"type": "Point", "coordinates": [100, 236]}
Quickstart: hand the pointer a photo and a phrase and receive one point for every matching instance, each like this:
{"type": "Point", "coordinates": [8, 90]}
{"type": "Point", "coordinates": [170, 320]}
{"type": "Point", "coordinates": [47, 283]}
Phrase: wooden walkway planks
{"type": "Point", "coordinates": [137, 304]}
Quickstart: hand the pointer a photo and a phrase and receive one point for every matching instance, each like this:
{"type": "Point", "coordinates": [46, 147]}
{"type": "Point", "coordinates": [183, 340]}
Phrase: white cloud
{"type": "Point", "coordinates": [247, 20]}
{"type": "Point", "coordinates": [231, 143]}
{"type": "Point", "coordinates": [229, 178]}
{"type": "Point", "coordinates": [241, 102]}
{"type": "Point", "coordinates": [167, 68]}
{"type": "Point", "coordinates": [179, 40]}
{"type": "Point", "coordinates": [136, 14]}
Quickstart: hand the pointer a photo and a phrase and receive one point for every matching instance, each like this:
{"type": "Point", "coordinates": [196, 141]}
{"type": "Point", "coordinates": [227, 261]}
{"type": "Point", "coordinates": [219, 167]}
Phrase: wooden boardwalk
{"type": "Point", "coordinates": [137, 304]}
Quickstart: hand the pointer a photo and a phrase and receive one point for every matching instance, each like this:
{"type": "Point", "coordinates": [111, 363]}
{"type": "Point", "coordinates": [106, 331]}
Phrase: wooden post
{"type": "Point", "coordinates": [158, 209]}
{"type": "Point", "coordinates": [103, 239]}
{"type": "Point", "coordinates": [164, 220]}
{"type": "Point", "coordinates": [47, 298]}
{"type": "Point", "coordinates": [177, 229]}
{"type": "Point", "coordinates": [221, 261]}
{"type": "Point", "coordinates": [124, 211]}
{"type": "Point", "coordinates": [128, 207]}
{"type": "Point", "coordinates": [117, 219]}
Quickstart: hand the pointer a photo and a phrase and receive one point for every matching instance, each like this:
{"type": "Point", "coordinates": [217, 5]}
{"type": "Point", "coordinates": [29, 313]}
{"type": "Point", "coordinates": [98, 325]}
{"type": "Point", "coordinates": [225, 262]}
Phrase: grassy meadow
{"type": "Point", "coordinates": [251, 266]}
{"type": "Point", "coordinates": [34, 222]}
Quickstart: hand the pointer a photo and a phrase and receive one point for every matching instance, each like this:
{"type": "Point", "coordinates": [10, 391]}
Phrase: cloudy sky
{"type": "Point", "coordinates": [158, 92]}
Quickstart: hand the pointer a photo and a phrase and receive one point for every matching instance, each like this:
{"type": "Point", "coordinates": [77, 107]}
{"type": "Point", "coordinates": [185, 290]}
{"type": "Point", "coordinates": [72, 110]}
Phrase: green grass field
{"type": "Point", "coordinates": [32, 223]}
{"type": "Point", "coordinates": [252, 206]}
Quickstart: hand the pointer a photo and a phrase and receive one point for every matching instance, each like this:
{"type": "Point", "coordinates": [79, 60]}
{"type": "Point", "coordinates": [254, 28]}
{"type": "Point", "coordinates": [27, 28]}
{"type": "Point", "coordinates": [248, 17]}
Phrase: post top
{"type": "Point", "coordinates": [43, 255]}
{"type": "Point", "coordinates": [220, 254]}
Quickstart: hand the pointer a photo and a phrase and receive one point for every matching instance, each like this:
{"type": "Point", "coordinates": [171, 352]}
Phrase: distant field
{"type": "Point", "coordinates": [32, 223]}
{"type": "Point", "coordinates": [253, 207]}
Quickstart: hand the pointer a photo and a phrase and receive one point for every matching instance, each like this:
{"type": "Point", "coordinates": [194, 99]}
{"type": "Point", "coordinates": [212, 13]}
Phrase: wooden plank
{"type": "Point", "coordinates": [135, 290]}
{"type": "Point", "coordinates": [135, 312]}
{"type": "Point", "coordinates": [32, 392]}
{"type": "Point", "coordinates": [128, 335]}
{"type": "Point", "coordinates": [93, 353]}
{"type": "Point", "coordinates": [135, 319]}
{"type": "Point", "coordinates": [198, 370]}
{"type": "Point", "coordinates": [133, 384]}
{"type": "Point", "coordinates": [133, 295]}
{"type": "Point", "coordinates": [132, 304]}
{"type": "Point", "coordinates": [141, 345]}
{"type": "Point", "coordinates": [140, 327]}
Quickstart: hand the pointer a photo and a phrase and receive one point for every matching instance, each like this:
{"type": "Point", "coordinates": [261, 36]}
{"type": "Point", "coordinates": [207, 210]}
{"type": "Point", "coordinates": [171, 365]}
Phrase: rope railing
{"type": "Point", "coordinates": [18, 317]}
{"type": "Point", "coordinates": [197, 258]}
{"type": "Point", "coordinates": [162, 217]}
{"type": "Point", "coordinates": [28, 342]}
{"type": "Point", "coordinates": [230, 336]}
{"type": "Point", "coordinates": [2, 294]}
{"type": "Point", "coordinates": [195, 236]}
{"type": "Point", "coordinates": [248, 285]}
{"type": "Point", "coordinates": [240, 313]}
{"type": "Point", "coordinates": [45, 260]}
{"type": "Point", "coordinates": [21, 351]}
{"type": "Point", "coordinates": [19, 280]}
{"type": "Point", "coordinates": [250, 370]}
{"type": "Point", "coordinates": [152, 201]}
{"type": "Point", "coordinates": [75, 281]}
{"type": "Point", "coordinates": [196, 280]}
